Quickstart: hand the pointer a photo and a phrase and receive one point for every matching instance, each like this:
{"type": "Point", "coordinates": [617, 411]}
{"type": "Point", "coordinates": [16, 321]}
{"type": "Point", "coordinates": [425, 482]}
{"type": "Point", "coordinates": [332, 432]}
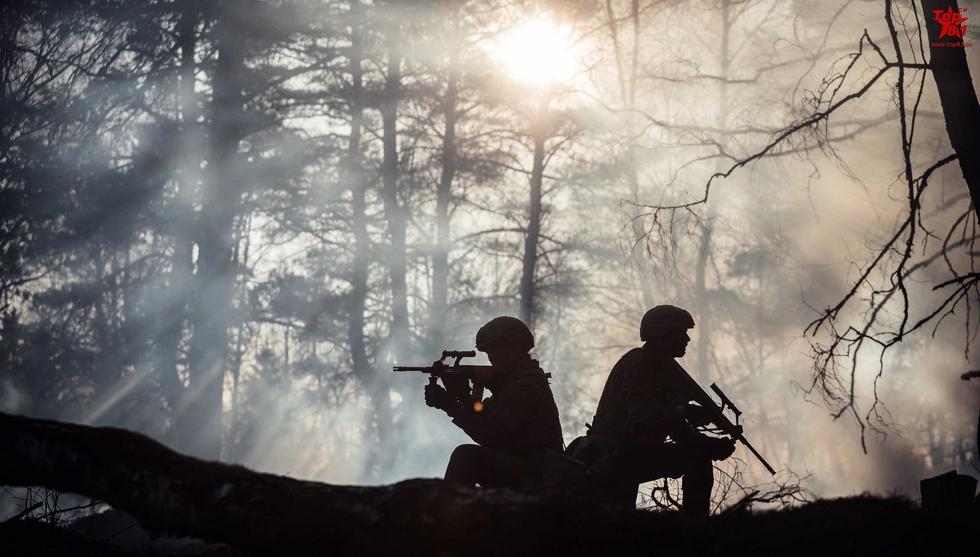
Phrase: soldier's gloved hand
{"type": "Point", "coordinates": [696, 415]}
{"type": "Point", "coordinates": [437, 397]}
{"type": "Point", "coordinates": [719, 448]}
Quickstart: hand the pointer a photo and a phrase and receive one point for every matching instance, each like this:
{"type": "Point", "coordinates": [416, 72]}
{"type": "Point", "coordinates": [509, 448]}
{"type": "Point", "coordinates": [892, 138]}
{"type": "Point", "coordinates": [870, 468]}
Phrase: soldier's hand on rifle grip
{"type": "Point", "coordinates": [437, 397]}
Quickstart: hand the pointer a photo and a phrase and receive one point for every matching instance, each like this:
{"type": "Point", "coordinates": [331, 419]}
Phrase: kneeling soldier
{"type": "Point", "coordinates": [517, 428]}
{"type": "Point", "coordinates": [643, 402]}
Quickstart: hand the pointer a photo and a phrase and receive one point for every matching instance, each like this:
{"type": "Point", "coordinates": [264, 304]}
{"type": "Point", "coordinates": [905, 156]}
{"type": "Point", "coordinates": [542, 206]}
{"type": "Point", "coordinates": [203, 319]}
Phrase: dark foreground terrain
{"type": "Point", "coordinates": [240, 512]}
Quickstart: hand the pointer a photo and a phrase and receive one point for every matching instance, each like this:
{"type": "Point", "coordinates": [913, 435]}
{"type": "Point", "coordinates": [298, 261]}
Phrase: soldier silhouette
{"type": "Point", "coordinates": [642, 404]}
{"type": "Point", "coordinates": [517, 428]}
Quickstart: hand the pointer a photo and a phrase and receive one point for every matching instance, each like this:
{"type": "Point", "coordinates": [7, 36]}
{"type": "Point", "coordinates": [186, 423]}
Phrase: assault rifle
{"type": "Point", "coordinates": [716, 414]}
{"type": "Point", "coordinates": [460, 380]}
{"type": "Point", "coordinates": [439, 369]}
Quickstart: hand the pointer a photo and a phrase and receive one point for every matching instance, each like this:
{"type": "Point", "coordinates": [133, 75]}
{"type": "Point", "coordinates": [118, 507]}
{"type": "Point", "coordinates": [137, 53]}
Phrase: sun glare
{"type": "Point", "coordinates": [538, 52]}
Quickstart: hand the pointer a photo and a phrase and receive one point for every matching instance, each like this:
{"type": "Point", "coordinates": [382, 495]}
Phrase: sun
{"type": "Point", "coordinates": [538, 52]}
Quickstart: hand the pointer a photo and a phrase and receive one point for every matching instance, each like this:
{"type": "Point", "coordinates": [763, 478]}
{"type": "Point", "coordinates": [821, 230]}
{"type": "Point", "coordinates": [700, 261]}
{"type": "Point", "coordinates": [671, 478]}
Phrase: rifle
{"type": "Point", "coordinates": [718, 417]}
{"type": "Point", "coordinates": [463, 381]}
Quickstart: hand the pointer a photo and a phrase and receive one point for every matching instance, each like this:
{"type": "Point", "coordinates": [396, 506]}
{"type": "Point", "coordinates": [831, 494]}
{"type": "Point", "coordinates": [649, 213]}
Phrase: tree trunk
{"type": "Point", "coordinates": [202, 416]}
{"type": "Point", "coordinates": [956, 95]}
{"type": "Point", "coordinates": [627, 89]}
{"type": "Point", "coordinates": [182, 264]}
{"type": "Point", "coordinates": [365, 372]}
{"type": "Point", "coordinates": [379, 389]}
{"type": "Point", "coordinates": [440, 256]}
{"type": "Point", "coordinates": [703, 307]}
{"type": "Point", "coordinates": [354, 174]}
{"type": "Point", "coordinates": [530, 258]}
{"type": "Point", "coordinates": [238, 354]}
{"type": "Point", "coordinates": [394, 212]}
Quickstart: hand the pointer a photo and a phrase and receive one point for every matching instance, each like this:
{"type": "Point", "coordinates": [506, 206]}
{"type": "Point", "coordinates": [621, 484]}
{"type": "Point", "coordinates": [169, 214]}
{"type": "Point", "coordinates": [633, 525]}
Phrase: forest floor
{"type": "Point", "coordinates": [862, 525]}
{"type": "Point", "coordinates": [253, 513]}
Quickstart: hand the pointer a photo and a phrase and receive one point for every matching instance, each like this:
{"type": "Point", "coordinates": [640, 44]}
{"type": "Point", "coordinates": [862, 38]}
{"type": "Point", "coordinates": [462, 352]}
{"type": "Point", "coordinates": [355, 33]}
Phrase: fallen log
{"type": "Point", "coordinates": [170, 492]}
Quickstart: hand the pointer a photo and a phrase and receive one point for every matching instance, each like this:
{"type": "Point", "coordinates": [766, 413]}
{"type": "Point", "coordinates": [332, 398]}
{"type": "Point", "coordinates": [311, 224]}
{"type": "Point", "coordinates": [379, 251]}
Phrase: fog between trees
{"type": "Point", "coordinates": [223, 223]}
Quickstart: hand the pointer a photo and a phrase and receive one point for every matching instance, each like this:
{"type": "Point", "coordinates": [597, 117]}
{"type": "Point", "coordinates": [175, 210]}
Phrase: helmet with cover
{"type": "Point", "coordinates": [664, 318]}
{"type": "Point", "coordinates": [502, 332]}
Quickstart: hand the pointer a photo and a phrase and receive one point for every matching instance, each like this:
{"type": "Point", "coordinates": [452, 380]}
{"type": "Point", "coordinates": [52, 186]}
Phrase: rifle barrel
{"type": "Point", "coordinates": [436, 370]}
{"type": "Point", "coordinates": [749, 446]}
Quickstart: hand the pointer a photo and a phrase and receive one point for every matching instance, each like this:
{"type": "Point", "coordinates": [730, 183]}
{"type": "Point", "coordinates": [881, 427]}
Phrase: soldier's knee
{"type": "Point", "coordinates": [464, 465]}
{"type": "Point", "coordinates": [465, 454]}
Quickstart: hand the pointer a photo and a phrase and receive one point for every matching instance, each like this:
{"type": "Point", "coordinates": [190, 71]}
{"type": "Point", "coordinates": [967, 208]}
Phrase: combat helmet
{"type": "Point", "coordinates": [660, 319]}
{"type": "Point", "coordinates": [504, 330]}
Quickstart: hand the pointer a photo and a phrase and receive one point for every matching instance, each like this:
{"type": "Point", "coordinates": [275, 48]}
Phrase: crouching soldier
{"type": "Point", "coordinates": [517, 428]}
{"type": "Point", "coordinates": [643, 403]}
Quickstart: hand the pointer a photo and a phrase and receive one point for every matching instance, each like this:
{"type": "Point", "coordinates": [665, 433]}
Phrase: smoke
{"type": "Point", "coordinates": [12, 400]}
{"type": "Point", "coordinates": [788, 234]}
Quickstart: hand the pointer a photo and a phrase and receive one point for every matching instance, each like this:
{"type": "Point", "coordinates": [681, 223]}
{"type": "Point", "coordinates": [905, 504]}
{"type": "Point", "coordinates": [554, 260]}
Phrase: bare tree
{"type": "Point", "coordinates": [836, 360]}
